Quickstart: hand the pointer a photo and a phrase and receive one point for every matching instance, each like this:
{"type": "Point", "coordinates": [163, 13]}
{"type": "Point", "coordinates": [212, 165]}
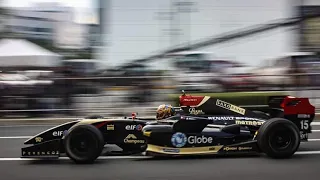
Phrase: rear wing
{"type": "Point", "coordinates": [276, 101]}
{"type": "Point", "coordinates": [292, 105]}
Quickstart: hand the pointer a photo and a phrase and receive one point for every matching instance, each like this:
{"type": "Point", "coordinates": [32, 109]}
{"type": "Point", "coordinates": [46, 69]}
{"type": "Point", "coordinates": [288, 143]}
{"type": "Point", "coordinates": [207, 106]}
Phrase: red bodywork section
{"type": "Point", "coordinates": [101, 124]}
{"type": "Point", "coordinates": [188, 100]}
{"type": "Point", "coordinates": [293, 105]}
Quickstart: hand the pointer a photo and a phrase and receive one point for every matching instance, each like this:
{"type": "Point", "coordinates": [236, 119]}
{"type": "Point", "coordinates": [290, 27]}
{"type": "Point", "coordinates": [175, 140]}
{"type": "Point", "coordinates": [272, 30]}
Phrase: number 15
{"type": "Point", "coordinates": [304, 124]}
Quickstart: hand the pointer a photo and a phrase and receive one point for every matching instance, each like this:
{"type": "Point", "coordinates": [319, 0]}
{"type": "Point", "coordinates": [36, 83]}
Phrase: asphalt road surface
{"type": "Point", "coordinates": [304, 165]}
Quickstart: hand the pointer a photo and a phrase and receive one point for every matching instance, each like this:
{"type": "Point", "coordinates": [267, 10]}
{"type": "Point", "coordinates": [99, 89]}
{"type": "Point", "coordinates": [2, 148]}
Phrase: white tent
{"type": "Point", "coordinates": [20, 52]}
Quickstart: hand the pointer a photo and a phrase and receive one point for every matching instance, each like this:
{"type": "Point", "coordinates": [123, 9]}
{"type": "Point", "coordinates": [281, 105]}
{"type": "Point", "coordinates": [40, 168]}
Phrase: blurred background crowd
{"type": "Point", "coordinates": [75, 58]}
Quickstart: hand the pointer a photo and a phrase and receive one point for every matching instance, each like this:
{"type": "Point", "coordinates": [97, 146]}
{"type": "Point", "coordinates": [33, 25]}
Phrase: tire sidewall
{"type": "Point", "coordinates": [267, 129]}
{"type": "Point", "coordinates": [96, 137]}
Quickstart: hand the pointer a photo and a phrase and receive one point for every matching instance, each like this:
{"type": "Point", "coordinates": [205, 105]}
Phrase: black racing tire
{"type": "Point", "coordinates": [84, 144]}
{"type": "Point", "coordinates": [278, 138]}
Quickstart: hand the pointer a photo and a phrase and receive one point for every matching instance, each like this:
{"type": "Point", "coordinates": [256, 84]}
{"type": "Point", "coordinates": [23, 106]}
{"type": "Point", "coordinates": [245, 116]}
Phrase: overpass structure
{"type": "Point", "coordinates": [306, 13]}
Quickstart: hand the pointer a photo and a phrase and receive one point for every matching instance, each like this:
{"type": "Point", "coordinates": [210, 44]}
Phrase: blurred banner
{"type": "Point", "coordinates": [71, 35]}
{"type": "Point", "coordinates": [309, 29]}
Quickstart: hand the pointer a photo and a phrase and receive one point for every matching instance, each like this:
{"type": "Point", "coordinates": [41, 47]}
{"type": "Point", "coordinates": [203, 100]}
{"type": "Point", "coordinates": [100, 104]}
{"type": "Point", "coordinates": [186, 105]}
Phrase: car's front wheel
{"type": "Point", "coordinates": [84, 144]}
{"type": "Point", "coordinates": [278, 138]}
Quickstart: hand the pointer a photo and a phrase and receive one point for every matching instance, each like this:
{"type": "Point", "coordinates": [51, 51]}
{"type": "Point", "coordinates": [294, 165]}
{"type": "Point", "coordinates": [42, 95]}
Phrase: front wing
{"type": "Point", "coordinates": [47, 149]}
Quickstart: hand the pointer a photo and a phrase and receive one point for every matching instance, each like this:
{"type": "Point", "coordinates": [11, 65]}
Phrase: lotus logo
{"type": "Point", "coordinates": [38, 139]}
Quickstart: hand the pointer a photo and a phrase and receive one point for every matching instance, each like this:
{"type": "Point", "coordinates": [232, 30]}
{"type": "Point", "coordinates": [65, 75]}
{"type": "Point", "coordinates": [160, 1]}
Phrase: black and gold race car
{"type": "Point", "coordinates": [203, 126]}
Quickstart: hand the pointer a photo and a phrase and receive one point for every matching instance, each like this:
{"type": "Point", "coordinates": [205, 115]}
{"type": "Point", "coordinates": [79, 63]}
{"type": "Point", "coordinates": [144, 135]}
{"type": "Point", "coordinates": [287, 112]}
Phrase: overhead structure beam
{"type": "Point", "coordinates": [225, 37]}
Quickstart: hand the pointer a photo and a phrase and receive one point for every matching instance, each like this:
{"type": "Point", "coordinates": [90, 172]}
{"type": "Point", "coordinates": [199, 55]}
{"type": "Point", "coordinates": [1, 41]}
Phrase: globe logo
{"type": "Point", "coordinates": [179, 140]}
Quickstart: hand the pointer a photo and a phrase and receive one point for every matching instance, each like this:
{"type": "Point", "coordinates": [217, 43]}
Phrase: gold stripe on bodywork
{"type": "Point", "coordinates": [148, 134]}
{"type": "Point", "coordinates": [204, 100]}
{"type": "Point", "coordinates": [184, 151]}
{"type": "Point", "coordinates": [91, 121]}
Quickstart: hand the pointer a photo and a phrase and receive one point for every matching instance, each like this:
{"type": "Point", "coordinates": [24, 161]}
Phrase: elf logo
{"type": "Point", "coordinates": [134, 127]}
{"type": "Point", "coordinates": [59, 133]}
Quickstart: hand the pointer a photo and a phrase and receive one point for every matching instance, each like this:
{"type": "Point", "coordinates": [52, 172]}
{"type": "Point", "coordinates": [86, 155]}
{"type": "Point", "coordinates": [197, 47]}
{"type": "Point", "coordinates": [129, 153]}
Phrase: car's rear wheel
{"type": "Point", "coordinates": [278, 138]}
{"type": "Point", "coordinates": [84, 144]}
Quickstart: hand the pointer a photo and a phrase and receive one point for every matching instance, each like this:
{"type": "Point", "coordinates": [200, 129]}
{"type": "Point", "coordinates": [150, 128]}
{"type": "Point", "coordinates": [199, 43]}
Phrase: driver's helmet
{"type": "Point", "coordinates": [165, 111]}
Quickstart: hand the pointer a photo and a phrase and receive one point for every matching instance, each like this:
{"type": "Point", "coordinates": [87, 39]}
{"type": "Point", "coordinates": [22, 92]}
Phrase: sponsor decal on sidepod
{"type": "Point", "coordinates": [237, 148]}
{"type": "Point", "coordinates": [222, 118]}
{"type": "Point", "coordinates": [134, 127]}
{"type": "Point", "coordinates": [230, 107]}
{"type": "Point", "coordinates": [110, 127]}
{"type": "Point", "coordinates": [231, 118]}
{"type": "Point", "coordinates": [171, 150]}
{"type": "Point", "coordinates": [195, 111]}
{"type": "Point", "coordinates": [38, 139]}
{"type": "Point", "coordinates": [132, 139]}
{"type": "Point", "coordinates": [39, 153]}
{"type": "Point", "coordinates": [59, 133]}
{"type": "Point", "coordinates": [180, 139]}
{"type": "Point", "coordinates": [250, 123]}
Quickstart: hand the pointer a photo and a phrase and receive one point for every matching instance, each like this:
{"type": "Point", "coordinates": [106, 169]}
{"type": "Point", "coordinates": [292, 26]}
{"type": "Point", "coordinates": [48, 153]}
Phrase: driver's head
{"type": "Point", "coordinates": [164, 111]}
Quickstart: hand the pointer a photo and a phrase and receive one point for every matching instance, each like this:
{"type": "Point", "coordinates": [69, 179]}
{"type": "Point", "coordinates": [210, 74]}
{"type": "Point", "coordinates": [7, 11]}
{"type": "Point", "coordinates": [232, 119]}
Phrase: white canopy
{"type": "Point", "coordinates": [20, 52]}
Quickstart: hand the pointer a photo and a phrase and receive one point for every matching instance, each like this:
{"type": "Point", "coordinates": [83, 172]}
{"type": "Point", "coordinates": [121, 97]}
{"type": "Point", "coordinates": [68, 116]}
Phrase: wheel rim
{"type": "Point", "coordinates": [282, 138]}
{"type": "Point", "coordinates": [82, 144]}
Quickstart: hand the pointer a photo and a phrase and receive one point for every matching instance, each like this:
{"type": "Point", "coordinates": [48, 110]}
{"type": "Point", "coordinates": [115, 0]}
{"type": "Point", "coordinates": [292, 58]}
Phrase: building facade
{"type": "Point", "coordinates": [135, 29]}
{"type": "Point", "coordinates": [51, 23]}
{"type": "Point", "coordinates": [39, 21]}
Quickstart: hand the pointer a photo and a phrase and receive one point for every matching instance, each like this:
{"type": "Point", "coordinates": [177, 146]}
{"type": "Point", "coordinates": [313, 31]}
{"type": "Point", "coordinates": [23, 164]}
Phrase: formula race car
{"type": "Point", "coordinates": [204, 125]}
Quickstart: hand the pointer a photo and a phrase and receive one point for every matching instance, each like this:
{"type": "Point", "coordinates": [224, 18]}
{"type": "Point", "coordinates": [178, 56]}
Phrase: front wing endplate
{"type": "Point", "coordinates": [49, 149]}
